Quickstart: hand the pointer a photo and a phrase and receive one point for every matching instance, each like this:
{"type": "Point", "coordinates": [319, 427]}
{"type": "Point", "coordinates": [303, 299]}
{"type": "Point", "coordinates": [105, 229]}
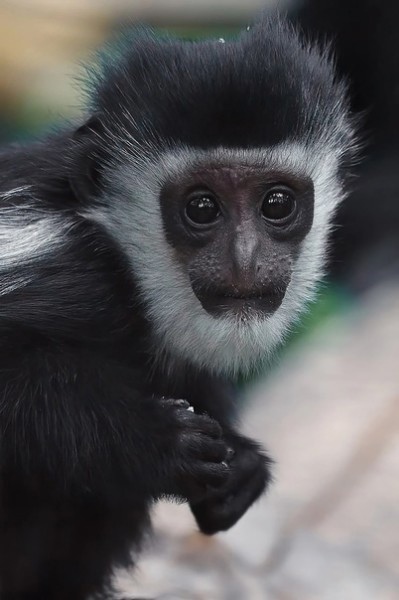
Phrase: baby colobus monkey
{"type": "Point", "coordinates": [148, 257]}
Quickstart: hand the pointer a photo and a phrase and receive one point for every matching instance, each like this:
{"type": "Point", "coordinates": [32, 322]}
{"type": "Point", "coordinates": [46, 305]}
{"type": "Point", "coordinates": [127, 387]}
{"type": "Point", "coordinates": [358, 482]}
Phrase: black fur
{"type": "Point", "coordinates": [265, 87]}
{"type": "Point", "coordinates": [365, 43]}
{"type": "Point", "coordinates": [88, 436]}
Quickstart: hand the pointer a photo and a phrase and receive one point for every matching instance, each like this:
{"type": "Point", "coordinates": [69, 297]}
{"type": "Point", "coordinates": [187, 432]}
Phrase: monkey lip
{"type": "Point", "coordinates": [257, 306]}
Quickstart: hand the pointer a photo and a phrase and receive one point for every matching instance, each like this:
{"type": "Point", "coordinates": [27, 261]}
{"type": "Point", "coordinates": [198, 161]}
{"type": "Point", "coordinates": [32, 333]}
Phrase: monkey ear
{"type": "Point", "coordinates": [85, 175]}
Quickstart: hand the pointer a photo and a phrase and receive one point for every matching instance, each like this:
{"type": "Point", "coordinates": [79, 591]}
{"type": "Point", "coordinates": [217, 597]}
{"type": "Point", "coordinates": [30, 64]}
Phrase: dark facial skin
{"type": "Point", "coordinates": [237, 230]}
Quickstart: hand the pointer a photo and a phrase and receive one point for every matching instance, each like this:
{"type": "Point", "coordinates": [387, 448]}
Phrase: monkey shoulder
{"type": "Point", "coordinates": [59, 273]}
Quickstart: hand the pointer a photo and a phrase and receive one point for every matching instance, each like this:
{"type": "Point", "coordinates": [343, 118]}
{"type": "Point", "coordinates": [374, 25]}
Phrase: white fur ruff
{"type": "Point", "coordinates": [181, 327]}
{"type": "Point", "coordinates": [28, 234]}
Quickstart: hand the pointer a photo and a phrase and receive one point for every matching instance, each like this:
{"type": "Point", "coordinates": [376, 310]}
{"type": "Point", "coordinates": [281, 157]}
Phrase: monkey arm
{"type": "Point", "coordinates": [73, 423]}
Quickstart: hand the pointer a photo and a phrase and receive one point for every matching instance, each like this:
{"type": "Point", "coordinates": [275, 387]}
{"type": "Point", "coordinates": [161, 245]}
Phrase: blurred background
{"type": "Point", "coordinates": [328, 409]}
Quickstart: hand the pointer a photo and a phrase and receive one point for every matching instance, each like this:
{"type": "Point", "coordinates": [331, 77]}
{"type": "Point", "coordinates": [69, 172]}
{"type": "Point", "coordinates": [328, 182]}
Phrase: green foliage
{"type": "Point", "coordinates": [331, 299]}
{"type": "Point", "coordinates": [198, 33]}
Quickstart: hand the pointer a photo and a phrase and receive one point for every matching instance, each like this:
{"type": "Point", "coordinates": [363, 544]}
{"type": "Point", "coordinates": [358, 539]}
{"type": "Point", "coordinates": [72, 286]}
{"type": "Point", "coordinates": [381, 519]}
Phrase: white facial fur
{"type": "Point", "coordinates": [182, 329]}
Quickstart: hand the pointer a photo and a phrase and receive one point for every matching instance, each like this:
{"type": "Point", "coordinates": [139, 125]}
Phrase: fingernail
{"type": "Point", "coordinates": [181, 402]}
{"type": "Point", "coordinates": [230, 453]}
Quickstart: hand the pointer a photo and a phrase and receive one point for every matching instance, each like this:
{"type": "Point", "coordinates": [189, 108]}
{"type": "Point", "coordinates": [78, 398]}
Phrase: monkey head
{"type": "Point", "coordinates": [217, 168]}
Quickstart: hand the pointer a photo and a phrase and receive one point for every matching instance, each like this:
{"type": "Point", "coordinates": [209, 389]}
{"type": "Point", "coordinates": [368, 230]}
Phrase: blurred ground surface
{"type": "Point", "coordinates": [329, 527]}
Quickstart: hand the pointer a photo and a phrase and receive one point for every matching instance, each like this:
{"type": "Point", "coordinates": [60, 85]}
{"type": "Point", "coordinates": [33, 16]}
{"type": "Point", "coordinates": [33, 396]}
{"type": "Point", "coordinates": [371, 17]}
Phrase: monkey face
{"type": "Point", "coordinates": [225, 245]}
{"type": "Point", "coordinates": [236, 229]}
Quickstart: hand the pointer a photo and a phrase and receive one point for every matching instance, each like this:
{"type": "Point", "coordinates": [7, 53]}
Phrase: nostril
{"type": "Point", "coordinates": [258, 268]}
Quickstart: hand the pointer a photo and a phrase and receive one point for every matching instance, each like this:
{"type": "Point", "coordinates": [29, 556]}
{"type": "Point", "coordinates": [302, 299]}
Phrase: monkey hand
{"type": "Point", "coordinates": [248, 477]}
{"type": "Point", "coordinates": [198, 450]}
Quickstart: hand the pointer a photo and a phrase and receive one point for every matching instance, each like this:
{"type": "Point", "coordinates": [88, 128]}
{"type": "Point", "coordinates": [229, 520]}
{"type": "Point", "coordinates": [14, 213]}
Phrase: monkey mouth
{"type": "Point", "coordinates": [242, 307]}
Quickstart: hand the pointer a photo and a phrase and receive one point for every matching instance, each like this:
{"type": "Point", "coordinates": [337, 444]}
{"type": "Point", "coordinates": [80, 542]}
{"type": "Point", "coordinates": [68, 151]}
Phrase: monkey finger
{"type": "Point", "coordinates": [203, 448]}
{"type": "Point", "coordinates": [174, 403]}
{"type": "Point", "coordinates": [201, 424]}
{"type": "Point", "coordinates": [211, 474]}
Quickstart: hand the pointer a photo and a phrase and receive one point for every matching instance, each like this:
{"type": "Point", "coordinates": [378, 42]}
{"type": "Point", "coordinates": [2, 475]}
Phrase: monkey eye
{"type": "Point", "coordinates": [202, 208]}
{"type": "Point", "coordinates": [278, 205]}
